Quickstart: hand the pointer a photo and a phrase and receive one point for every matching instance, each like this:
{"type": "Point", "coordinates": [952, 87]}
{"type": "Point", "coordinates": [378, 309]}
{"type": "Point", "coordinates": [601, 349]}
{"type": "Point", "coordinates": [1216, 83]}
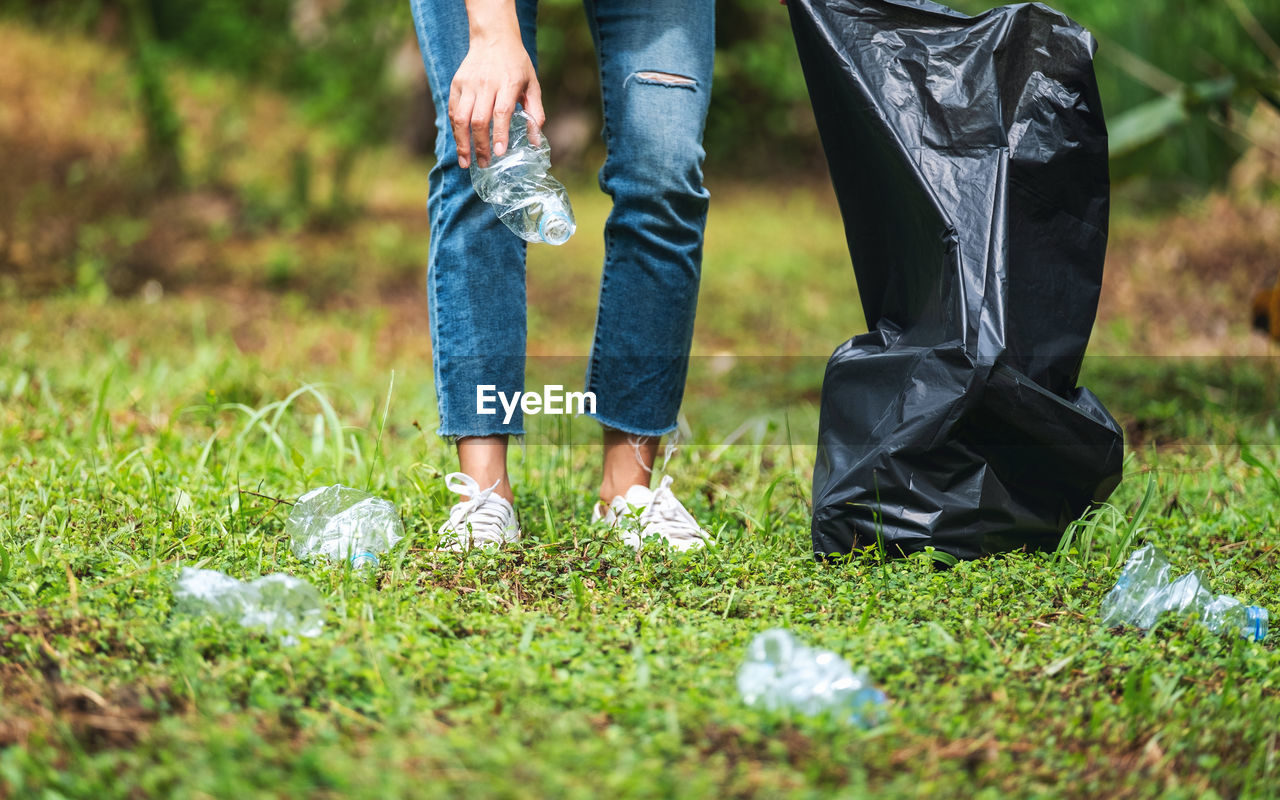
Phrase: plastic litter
{"type": "Point", "coordinates": [343, 524]}
{"type": "Point", "coordinates": [782, 673]}
{"type": "Point", "coordinates": [969, 159]}
{"type": "Point", "coordinates": [282, 604]}
{"type": "Point", "coordinates": [534, 205]}
{"type": "Point", "coordinates": [1146, 590]}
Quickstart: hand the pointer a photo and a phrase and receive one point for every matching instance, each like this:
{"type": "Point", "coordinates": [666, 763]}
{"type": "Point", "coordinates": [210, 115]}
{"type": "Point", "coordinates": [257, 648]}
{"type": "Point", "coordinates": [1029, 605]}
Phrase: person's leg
{"type": "Point", "coordinates": [628, 461]}
{"type": "Point", "coordinates": [655, 74]}
{"type": "Point", "coordinates": [485, 459]}
{"type": "Point", "coordinates": [475, 279]}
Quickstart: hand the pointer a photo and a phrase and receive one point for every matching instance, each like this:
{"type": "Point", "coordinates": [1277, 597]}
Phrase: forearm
{"type": "Point", "coordinates": [492, 22]}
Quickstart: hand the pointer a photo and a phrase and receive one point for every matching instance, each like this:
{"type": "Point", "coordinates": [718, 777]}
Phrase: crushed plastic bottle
{"type": "Point", "coordinates": [781, 672]}
{"type": "Point", "coordinates": [282, 604]}
{"type": "Point", "coordinates": [343, 524]}
{"type": "Point", "coordinates": [534, 205]}
{"type": "Point", "coordinates": [1145, 590]}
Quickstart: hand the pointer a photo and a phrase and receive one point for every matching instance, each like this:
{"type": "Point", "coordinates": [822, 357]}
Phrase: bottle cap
{"type": "Point", "coordinates": [364, 559]}
{"type": "Point", "coordinates": [555, 228]}
{"type": "Point", "coordinates": [1255, 623]}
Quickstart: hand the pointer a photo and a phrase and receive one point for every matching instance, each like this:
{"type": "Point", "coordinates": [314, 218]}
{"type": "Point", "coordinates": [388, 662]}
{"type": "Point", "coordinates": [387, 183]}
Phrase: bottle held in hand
{"type": "Point", "coordinates": [518, 184]}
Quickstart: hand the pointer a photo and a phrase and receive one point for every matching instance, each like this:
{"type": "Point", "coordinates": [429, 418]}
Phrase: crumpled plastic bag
{"type": "Point", "coordinates": [969, 159]}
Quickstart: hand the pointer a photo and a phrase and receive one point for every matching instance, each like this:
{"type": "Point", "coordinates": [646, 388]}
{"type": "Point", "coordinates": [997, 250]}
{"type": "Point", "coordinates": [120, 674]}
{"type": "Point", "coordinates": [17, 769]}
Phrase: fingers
{"type": "Point", "coordinates": [532, 103]}
{"type": "Point", "coordinates": [504, 106]}
{"type": "Point", "coordinates": [484, 92]}
{"type": "Point", "coordinates": [460, 106]}
{"type": "Point", "coordinates": [481, 116]}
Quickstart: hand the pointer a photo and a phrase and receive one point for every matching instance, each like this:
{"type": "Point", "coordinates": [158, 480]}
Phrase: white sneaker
{"type": "Point", "coordinates": [643, 512]}
{"type": "Point", "coordinates": [484, 520]}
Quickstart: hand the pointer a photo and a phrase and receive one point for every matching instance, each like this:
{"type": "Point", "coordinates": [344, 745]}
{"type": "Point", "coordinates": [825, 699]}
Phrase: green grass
{"type": "Point", "coordinates": [140, 438]}
{"type": "Point", "coordinates": [146, 433]}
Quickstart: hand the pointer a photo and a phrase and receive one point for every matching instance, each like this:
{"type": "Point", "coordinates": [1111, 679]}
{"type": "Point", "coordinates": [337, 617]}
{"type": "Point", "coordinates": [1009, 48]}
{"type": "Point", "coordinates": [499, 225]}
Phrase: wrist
{"type": "Point", "coordinates": [497, 39]}
{"type": "Point", "coordinates": [496, 25]}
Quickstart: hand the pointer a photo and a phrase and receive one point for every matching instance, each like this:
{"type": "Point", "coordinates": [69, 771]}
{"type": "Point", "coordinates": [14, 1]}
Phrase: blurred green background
{"type": "Point", "coordinates": [353, 65]}
{"type": "Point", "coordinates": [282, 145]}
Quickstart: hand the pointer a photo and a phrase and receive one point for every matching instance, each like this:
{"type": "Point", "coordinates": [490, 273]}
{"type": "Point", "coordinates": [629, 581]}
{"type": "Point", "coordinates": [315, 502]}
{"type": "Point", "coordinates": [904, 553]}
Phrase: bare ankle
{"type": "Point", "coordinates": [611, 489]}
{"type": "Point", "coordinates": [484, 458]}
{"type": "Point", "coordinates": [628, 461]}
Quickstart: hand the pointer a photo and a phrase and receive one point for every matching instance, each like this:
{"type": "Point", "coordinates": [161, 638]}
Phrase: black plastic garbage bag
{"type": "Point", "coordinates": [969, 157]}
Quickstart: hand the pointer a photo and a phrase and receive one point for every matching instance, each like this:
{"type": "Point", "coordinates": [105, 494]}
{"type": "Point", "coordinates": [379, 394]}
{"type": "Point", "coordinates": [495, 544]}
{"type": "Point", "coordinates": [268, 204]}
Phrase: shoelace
{"type": "Point", "coordinates": [486, 522]}
{"type": "Point", "coordinates": [665, 506]}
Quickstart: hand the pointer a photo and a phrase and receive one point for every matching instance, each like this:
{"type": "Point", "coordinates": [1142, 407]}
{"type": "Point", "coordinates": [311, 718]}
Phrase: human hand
{"type": "Point", "coordinates": [495, 75]}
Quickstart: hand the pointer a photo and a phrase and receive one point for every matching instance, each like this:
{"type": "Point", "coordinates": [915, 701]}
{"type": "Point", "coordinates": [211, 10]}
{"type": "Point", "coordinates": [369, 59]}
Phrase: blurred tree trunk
{"type": "Point", "coordinates": [160, 119]}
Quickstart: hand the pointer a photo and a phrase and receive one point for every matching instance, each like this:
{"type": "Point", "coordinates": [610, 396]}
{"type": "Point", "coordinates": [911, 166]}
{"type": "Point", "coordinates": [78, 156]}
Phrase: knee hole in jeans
{"type": "Point", "coordinates": [666, 79]}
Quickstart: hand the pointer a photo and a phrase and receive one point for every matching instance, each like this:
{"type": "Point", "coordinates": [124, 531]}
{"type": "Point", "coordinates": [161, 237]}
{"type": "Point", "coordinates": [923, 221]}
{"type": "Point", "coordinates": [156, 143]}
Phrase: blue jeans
{"type": "Point", "coordinates": [653, 236]}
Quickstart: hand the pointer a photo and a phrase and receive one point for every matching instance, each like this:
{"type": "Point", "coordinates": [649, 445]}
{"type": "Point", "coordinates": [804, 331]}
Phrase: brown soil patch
{"type": "Point", "coordinates": [37, 696]}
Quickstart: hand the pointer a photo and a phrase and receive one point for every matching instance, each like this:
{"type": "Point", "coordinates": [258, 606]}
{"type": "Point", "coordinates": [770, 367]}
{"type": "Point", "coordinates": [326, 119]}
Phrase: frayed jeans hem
{"type": "Point", "coordinates": [452, 438]}
{"type": "Point", "coordinates": [629, 430]}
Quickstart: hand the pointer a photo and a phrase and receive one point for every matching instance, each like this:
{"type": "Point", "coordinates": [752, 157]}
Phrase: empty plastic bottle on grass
{"type": "Point", "coordinates": [781, 672]}
{"type": "Point", "coordinates": [534, 205]}
{"type": "Point", "coordinates": [343, 524]}
{"type": "Point", "coordinates": [1145, 590]}
{"type": "Point", "coordinates": [286, 606]}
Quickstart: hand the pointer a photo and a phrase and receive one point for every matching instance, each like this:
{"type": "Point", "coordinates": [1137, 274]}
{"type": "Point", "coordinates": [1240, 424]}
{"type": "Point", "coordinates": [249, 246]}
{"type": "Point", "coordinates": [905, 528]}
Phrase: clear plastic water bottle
{"type": "Point", "coordinates": [1146, 590]}
{"type": "Point", "coordinates": [343, 524]}
{"type": "Point", "coordinates": [534, 205]}
{"type": "Point", "coordinates": [282, 604]}
{"type": "Point", "coordinates": [780, 672]}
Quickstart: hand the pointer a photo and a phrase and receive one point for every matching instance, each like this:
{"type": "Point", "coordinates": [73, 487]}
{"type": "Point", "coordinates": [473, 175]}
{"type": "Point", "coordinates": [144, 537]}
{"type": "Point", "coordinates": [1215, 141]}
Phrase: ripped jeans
{"type": "Point", "coordinates": [655, 73]}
